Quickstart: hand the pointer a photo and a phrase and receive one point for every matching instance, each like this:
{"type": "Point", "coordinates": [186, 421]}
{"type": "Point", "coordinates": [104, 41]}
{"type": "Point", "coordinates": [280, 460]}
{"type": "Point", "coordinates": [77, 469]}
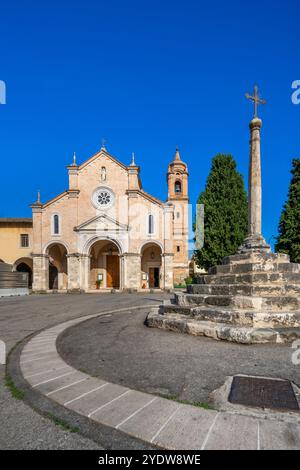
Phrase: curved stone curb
{"type": "Point", "coordinates": [152, 419]}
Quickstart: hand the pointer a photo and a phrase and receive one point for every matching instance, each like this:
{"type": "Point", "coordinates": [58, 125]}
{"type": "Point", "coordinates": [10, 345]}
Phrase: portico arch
{"type": "Point", "coordinates": [57, 269]}
{"type": "Point", "coordinates": [151, 265]}
{"type": "Point", "coordinates": [24, 265]}
{"type": "Point", "coordinates": [105, 264]}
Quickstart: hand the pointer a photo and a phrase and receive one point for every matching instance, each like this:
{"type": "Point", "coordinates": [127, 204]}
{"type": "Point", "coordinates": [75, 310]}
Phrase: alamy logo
{"type": "Point", "coordinates": [296, 94]}
{"type": "Point", "coordinates": [2, 352]}
{"type": "Point", "coordinates": [296, 354]}
{"type": "Point", "coordinates": [2, 92]}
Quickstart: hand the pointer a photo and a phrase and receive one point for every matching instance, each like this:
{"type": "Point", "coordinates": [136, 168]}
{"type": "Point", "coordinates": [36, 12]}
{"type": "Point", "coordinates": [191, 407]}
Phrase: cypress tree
{"type": "Point", "coordinates": [225, 212]}
{"type": "Point", "coordinates": [288, 239]}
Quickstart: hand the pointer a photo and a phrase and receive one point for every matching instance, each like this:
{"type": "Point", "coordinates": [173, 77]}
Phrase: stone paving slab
{"type": "Point", "coordinates": [187, 429]}
{"type": "Point", "coordinates": [40, 358]}
{"type": "Point", "coordinates": [38, 355]}
{"type": "Point", "coordinates": [148, 422]}
{"type": "Point", "coordinates": [280, 436]}
{"type": "Point", "coordinates": [50, 385]}
{"type": "Point", "coordinates": [120, 410]}
{"type": "Point", "coordinates": [233, 432]}
{"type": "Point", "coordinates": [37, 377]}
{"type": "Point", "coordinates": [40, 366]}
{"type": "Point", "coordinates": [93, 401]}
{"type": "Point", "coordinates": [68, 394]}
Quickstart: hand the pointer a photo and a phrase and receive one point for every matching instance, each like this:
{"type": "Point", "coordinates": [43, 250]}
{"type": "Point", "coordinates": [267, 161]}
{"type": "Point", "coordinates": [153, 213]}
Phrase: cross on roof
{"type": "Point", "coordinates": [256, 99]}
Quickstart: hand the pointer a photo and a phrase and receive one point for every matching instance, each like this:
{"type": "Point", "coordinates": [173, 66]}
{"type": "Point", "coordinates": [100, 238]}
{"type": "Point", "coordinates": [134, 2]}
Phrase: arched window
{"type": "Point", "coordinates": [177, 187]}
{"type": "Point", "coordinates": [56, 227]}
{"type": "Point", "coordinates": [150, 224]}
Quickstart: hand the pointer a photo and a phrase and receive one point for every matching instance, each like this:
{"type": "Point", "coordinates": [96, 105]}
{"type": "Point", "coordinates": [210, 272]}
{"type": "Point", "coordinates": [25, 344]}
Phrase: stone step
{"type": "Point", "coordinates": [259, 319]}
{"type": "Point", "coordinates": [216, 314]}
{"type": "Point", "coordinates": [250, 278]}
{"type": "Point", "coordinates": [221, 330]}
{"type": "Point", "coordinates": [245, 289]}
{"type": "Point", "coordinates": [240, 268]}
{"type": "Point", "coordinates": [239, 301]}
{"type": "Point", "coordinates": [256, 258]}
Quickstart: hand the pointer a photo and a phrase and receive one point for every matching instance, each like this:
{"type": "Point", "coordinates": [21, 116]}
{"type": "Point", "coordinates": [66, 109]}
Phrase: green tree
{"type": "Point", "coordinates": [288, 239]}
{"type": "Point", "coordinates": [225, 212]}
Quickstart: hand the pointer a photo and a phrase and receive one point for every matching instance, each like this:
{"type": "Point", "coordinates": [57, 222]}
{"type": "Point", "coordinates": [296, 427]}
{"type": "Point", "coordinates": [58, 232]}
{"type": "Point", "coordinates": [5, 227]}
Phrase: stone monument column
{"type": "Point", "coordinates": [254, 203]}
{"type": "Point", "coordinates": [254, 240]}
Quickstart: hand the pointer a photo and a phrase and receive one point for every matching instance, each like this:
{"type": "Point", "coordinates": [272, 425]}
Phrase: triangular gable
{"type": "Point", "coordinates": [101, 223]}
{"type": "Point", "coordinates": [99, 154]}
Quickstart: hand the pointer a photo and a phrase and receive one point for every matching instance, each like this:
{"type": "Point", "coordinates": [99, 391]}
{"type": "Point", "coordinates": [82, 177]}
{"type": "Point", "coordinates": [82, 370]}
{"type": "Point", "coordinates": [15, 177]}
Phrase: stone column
{"type": "Point", "coordinates": [40, 273]}
{"type": "Point", "coordinates": [85, 264]}
{"type": "Point", "coordinates": [254, 204]}
{"type": "Point", "coordinates": [74, 271]}
{"type": "Point", "coordinates": [131, 271]}
{"type": "Point", "coordinates": [254, 241]}
{"type": "Point", "coordinates": [167, 271]}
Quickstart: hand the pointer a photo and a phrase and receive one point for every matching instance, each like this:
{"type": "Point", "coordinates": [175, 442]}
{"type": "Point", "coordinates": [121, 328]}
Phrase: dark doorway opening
{"type": "Point", "coordinates": [154, 278]}
{"type": "Point", "coordinates": [24, 268]}
{"type": "Point", "coordinates": [53, 277]}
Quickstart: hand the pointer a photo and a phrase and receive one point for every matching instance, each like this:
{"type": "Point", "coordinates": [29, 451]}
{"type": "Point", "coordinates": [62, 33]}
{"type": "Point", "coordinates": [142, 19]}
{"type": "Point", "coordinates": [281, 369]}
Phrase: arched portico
{"type": "Point", "coordinates": [151, 266]}
{"type": "Point", "coordinates": [57, 266]}
{"type": "Point", "coordinates": [24, 265]}
{"type": "Point", "coordinates": [105, 265]}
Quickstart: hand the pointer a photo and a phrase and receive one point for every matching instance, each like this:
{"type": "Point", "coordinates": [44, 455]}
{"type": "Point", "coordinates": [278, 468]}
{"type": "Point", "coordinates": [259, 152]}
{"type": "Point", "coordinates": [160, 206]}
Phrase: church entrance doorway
{"type": "Point", "coordinates": [112, 271]}
{"type": "Point", "coordinates": [104, 265]}
{"type": "Point", "coordinates": [151, 261]}
{"type": "Point", "coordinates": [153, 278]}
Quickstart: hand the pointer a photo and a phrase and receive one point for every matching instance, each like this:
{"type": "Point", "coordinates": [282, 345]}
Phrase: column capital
{"type": "Point", "coordinates": [255, 123]}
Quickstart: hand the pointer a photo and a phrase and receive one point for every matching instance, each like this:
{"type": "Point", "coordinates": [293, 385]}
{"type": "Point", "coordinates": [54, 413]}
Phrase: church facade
{"type": "Point", "coordinates": [106, 232]}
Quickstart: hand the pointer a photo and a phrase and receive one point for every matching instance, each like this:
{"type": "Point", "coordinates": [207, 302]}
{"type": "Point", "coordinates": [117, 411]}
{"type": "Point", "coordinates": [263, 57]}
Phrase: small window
{"type": "Point", "coordinates": [178, 248]}
{"type": "Point", "coordinates": [178, 215]}
{"type": "Point", "coordinates": [56, 224]}
{"type": "Point", "coordinates": [24, 240]}
{"type": "Point", "coordinates": [103, 173]}
{"type": "Point", "coordinates": [177, 187]}
{"type": "Point", "coordinates": [150, 224]}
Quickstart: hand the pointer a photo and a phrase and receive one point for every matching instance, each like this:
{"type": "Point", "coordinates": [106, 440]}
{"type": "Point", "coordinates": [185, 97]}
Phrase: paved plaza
{"type": "Point", "coordinates": [96, 361]}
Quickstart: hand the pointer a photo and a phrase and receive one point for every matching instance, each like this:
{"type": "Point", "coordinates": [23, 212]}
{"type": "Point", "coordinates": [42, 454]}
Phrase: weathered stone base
{"type": "Point", "coordinates": [14, 291]}
{"type": "Point", "coordinates": [220, 331]}
{"type": "Point", "coordinates": [253, 297]}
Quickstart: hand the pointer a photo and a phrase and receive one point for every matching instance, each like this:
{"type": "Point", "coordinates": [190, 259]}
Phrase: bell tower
{"type": "Point", "coordinates": [177, 179]}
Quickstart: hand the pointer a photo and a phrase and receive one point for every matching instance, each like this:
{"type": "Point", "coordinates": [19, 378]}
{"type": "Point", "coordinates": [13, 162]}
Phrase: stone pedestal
{"type": "Point", "coordinates": [250, 298]}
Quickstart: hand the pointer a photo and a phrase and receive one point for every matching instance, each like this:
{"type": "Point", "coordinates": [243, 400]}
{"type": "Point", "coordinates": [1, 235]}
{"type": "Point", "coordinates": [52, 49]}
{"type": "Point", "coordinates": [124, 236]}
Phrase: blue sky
{"type": "Point", "coordinates": [146, 76]}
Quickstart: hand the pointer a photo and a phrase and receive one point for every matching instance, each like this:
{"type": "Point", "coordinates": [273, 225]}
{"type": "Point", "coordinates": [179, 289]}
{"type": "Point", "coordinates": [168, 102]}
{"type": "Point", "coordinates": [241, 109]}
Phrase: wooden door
{"type": "Point", "coordinates": [112, 271]}
{"type": "Point", "coordinates": [151, 278]}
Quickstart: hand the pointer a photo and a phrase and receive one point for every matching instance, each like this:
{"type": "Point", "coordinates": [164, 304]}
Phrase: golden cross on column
{"type": "Point", "coordinates": [256, 100]}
